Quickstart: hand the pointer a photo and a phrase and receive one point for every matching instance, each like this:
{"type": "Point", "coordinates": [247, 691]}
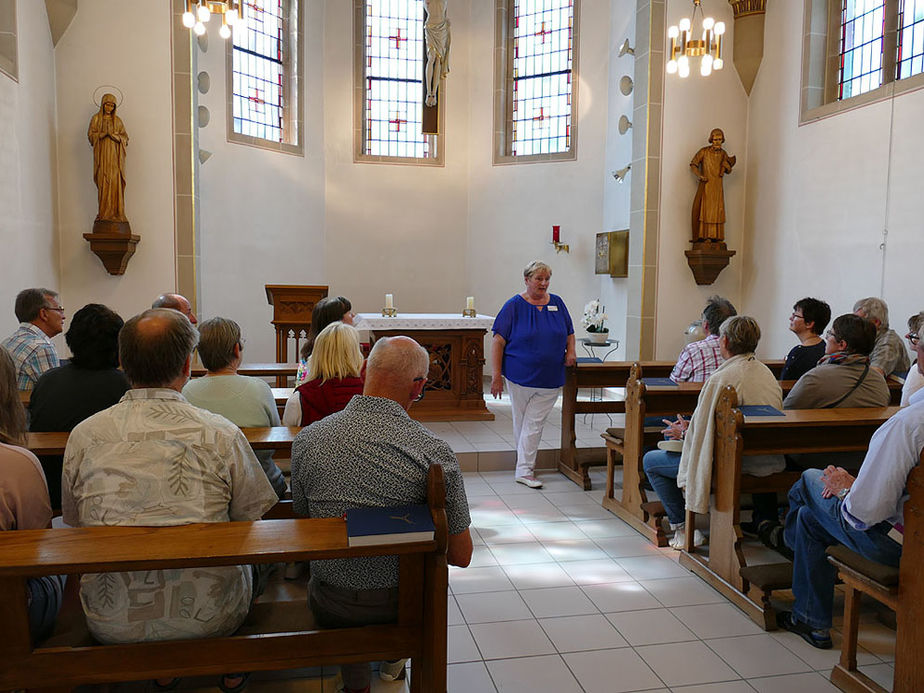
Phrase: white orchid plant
{"type": "Point", "coordinates": [594, 319]}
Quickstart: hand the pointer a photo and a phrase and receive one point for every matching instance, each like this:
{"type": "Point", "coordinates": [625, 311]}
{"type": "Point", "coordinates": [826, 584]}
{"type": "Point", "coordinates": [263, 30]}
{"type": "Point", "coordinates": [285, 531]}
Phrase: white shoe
{"type": "Point", "coordinates": [680, 538]}
{"type": "Point", "coordinates": [392, 671]}
{"type": "Point", "coordinates": [530, 481]}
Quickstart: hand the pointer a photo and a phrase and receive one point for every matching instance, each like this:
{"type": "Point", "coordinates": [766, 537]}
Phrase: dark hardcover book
{"type": "Point", "coordinates": [404, 524]}
{"type": "Point", "coordinates": [659, 382]}
{"type": "Point", "coordinates": [759, 410]}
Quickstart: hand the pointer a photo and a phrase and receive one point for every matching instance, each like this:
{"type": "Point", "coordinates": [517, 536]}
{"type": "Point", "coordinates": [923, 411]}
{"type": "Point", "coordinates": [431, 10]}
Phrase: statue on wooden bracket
{"type": "Point", "coordinates": [710, 255]}
{"type": "Point", "coordinates": [112, 238]}
{"type": "Point", "coordinates": [438, 38]}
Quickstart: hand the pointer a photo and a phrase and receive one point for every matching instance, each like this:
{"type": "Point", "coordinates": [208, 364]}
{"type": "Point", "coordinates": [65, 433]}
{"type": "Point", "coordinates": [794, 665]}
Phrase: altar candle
{"type": "Point", "coordinates": [389, 301]}
{"type": "Point", "coordinates": [556, 233]}
{"type": "Point", "coordinates": [470, 303]}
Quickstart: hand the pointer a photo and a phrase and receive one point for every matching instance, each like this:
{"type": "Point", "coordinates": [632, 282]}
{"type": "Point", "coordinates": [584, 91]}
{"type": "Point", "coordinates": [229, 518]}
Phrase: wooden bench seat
{"type": "Point", "coordinates": [420, 631]}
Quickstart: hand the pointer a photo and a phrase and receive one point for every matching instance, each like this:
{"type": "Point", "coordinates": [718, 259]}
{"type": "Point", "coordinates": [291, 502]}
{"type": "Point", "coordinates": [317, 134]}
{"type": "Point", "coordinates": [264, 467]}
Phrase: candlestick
{"type": "Point", "coordinates": [389, 301]}
{"type": "Point", "coordinates": [556, 233]}
{"type": "Point", "coordinates": [470, 302]}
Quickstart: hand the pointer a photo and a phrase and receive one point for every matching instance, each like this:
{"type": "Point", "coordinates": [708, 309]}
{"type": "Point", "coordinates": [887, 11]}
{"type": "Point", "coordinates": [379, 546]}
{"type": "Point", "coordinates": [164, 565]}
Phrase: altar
{"type": "Point", "coordinates": [455, 386]}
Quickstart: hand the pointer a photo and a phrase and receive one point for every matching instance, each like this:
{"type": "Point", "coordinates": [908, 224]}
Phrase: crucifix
{"type": "Point", "coordinates": [437, 39]}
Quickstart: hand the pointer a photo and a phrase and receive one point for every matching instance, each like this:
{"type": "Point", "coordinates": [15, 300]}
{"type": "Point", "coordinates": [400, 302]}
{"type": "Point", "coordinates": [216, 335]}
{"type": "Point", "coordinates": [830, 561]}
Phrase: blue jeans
{"type": "Point", "coordinates": [45, 595]}
{"type": "Point", "coordinates": [812, 525]}
{"type": "Point", "coordinates": [661, 467]}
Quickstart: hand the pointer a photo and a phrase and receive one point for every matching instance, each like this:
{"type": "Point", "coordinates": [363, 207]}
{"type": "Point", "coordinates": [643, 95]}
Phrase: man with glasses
{"type": "Point", "coordinates": [889, 355]}
{"type": "Point", "coordinates": [914, 381]}
{"type": "Point", "coordinates": [372, 454]}
{"type": "Point", "coordinates": [41, 317]}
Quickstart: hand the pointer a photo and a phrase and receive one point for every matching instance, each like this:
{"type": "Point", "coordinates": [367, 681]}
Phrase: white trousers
{"type": "Point", "coordinates": [530, 406]}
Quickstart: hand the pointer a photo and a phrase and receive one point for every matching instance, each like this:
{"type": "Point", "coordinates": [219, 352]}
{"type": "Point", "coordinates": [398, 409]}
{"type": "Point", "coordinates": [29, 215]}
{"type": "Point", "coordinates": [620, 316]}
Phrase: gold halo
{"type": "Point", "coordinates": [104, 89]}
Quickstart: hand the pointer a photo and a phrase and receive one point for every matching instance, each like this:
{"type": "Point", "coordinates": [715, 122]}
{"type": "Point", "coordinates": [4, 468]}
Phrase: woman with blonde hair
{"type": "Point", "coordinates": [24, 501]}
{"type": "Point", "coordinates": [336, 371]}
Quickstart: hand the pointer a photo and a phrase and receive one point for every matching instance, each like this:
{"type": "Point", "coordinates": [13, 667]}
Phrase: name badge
{"type": "Point", "coordinates": [553, 308]}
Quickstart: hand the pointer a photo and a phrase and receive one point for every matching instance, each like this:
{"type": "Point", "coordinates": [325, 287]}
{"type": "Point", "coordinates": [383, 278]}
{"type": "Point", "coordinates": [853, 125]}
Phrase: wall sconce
{"type": "Point", "coordinates": [621, 174]}
{"type": "Point", "coordinates": [626, 85]}
{"type": "Point", "coordinates": [626, 48]}
{"type": "Point", "coordinates": [624, 125]}
{"type": "Point", "coordinates": [556, 240]}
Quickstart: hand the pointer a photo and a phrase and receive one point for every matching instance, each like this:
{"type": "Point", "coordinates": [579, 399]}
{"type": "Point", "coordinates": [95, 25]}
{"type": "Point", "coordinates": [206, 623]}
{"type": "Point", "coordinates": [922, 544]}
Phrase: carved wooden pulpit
{"type": "Point", "coordinates": [292, 306]}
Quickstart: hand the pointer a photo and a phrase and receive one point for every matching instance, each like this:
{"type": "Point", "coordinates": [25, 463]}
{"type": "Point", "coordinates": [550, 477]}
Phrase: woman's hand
{"type": "Point", "coordinates": [497, 386]}
{"type": "Point", "coordinates": [835, 479]}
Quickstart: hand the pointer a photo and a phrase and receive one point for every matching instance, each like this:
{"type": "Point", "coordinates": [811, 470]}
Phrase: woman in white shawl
{"type": "Point", "coordinates": [692, 468]}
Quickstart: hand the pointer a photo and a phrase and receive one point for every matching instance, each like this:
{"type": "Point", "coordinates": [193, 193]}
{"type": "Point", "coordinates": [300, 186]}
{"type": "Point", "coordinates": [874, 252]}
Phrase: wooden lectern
{"type": "Point", "coordinates": [292, 306]}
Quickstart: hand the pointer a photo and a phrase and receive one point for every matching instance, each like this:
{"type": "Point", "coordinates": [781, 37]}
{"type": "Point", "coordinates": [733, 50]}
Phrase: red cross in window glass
{"type": "Point", "coordinates": [397, 122]}
{"type": "Point", "coordinates": [256, 98]}
{"type": "Point", "coordinates": [255, 7]}
{"type": "Point", "coordinates": [543, 32]}
{"type": "Point", "coordinates": [397, 39]}
{"type": "Point", "coordinates": [541, 115]}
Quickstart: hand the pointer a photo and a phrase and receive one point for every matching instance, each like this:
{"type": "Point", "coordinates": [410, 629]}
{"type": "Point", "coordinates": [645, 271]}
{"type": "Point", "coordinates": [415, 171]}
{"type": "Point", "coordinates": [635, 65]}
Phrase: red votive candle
{"type": "Point", "coordinates": [556, 234]}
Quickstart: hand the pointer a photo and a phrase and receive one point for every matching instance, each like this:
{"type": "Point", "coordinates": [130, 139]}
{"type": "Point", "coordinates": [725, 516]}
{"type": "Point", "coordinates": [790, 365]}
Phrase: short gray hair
{"type": "Point", "coordinates": [217, 339]}
{"type": "Point", "coordinates": [398, 358]}
{"type": "Point", "coordinates": [535, 266]}
{"type": "Point", "coordinates": [874, 309]}
{"type": "Point", "coordinates": [742, 333]}
{"type": "Point", "coordinates": [153, 355]}
{"type": "Point", "coordinates": [29, 302]}
{"type": "Point", "coordinates": [915, 322]}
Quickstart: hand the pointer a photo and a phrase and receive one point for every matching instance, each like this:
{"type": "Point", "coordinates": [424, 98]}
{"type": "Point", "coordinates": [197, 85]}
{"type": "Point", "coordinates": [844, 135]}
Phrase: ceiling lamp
{"type": "Point", "coordinates": [198, 13]}
{"type": "Point", "coordinates": [708, 48]}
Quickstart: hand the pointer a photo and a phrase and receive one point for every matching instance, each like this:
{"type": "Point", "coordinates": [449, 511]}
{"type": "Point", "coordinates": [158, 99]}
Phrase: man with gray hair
{"type": "Point", "coordinates": [176, 302]}
{"type": "Point", "coordinates": [41, 317]}
{"type": "Point", "coordinates": [698, 360]}
{"type": "Point", "coordinates": [153, 459]}
{"type": "Point", "coordinates": [889, 355]}
{"type": "Point", "coordinates": [372, 454]}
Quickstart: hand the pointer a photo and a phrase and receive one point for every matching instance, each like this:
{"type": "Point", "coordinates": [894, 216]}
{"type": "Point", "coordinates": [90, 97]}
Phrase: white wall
{"type": "Point", "coordinates": [820, 195]}
{"type": "Point", "coordinates": [125, 43]}
{"type": "Point", "coordinates": [692, 108]}
{"type": "Point", "coordinates": [27, 165]}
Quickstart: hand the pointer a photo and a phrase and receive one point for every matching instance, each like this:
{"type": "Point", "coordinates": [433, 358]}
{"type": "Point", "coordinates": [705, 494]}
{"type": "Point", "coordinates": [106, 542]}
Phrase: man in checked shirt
{"type": "Point", "coordinates": [699, 359]}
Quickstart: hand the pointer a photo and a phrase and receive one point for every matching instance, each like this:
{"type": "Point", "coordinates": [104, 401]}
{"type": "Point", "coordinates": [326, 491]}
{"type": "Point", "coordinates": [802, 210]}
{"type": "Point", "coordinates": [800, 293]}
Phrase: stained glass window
{"type": "Point", "coordinates": [393, 57]}
{"type": "Point", "coordinates": [910, 38]}
{"type": "Point", "coordinates": [542, 61]}
{"type": "Point", "coordinates": [261, 64]}
{"type": "Point", "coordinates": [861, 47]}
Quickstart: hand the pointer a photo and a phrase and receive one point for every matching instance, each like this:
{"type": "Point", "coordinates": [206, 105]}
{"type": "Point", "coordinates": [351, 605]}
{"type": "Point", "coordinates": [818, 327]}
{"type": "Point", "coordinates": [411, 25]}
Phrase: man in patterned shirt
{"type": "Point", "coordinates": [372, 454]}
{"type": "Point", "coordinates": [699, 359]}
{"type": "Point", "coordinates": [153, 459]}
{"type": "Point", "coordinates": [889, 355]}
{"type": "Point", "coordinates": [41, 317]}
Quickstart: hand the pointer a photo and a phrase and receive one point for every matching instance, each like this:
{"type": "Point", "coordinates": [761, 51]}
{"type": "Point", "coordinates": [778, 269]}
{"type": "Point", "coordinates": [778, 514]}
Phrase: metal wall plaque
{"type": "Point", "coordinates": [612, 253]}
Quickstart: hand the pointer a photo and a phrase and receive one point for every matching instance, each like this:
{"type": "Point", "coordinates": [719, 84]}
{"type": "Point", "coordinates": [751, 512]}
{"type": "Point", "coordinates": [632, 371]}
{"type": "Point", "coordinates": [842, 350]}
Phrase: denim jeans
{"type": "Point", "coordinates": [661, 467]}
{"type": "Point", "coordinates": [812, 525]}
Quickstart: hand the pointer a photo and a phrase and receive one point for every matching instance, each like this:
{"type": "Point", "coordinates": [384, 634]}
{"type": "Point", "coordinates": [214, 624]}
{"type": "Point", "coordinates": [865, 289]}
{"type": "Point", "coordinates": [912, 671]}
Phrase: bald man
{"type": "Point", "coordinates": [176, 302]}
{"type": "Point", "coordinates": [373, 454]}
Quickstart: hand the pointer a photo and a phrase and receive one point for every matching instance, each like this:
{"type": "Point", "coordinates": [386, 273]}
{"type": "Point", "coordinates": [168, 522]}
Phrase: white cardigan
{"type": "Point", "coordinates": [754, 384]}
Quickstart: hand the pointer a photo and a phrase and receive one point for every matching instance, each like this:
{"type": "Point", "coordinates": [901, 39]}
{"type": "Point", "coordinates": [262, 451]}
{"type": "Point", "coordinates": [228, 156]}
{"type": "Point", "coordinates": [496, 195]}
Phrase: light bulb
{"type": "Point", "coordinates": [683, 62]}
{"type": "Point", "coordinates": [225, 31]}
{"type": "Point", "coordinates": [671, 67]}
{"type": "Point", "coordinates": [705, 67]}
{"type": "Point", "coordinates": [203, 13]}
{"type": "Point", "coordinates": [683, 71]}
{"type": "Point", "coordinates": [189, 20]}
{"type": "Point", "coordinates": [719, 28]}
{"type": "Point", "coordinates": [673, 32]}
{"type": "Point", "coordinates": [231, 17]}
{"type": "Point", "coordinates": [685, 24]}
{"type": "Point", "coordinates": [717, 64]}
{"type": "Point", "coordinates": [707, 59]}
{"type": "Point", "coordinates": [708, 23]}
{"type": "Point", "coordinates": [199, 28]}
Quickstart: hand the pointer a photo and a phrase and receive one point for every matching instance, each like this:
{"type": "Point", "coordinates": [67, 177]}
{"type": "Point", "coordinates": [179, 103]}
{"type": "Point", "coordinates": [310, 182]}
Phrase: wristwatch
{"type": "Point", "coordinates": [842, 494]}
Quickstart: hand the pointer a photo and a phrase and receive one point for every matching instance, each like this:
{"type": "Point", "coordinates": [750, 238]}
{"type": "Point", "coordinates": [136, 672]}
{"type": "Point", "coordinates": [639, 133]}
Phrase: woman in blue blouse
{"type": "Point", "coordinates": [533, 342]}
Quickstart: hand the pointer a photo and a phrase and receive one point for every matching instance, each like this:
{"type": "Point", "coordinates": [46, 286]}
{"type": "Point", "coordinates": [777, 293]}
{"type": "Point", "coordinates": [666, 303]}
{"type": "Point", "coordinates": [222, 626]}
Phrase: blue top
{"type": "Point", "coordinates": [536, 339]}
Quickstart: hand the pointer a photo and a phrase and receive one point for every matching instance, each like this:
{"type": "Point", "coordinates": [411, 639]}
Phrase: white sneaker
{"type": "Point", "coordinates": [530, 481]}
{"type": "Point", "coordinates": [392, 671]}
{"type": "Point", "coordinates": [680, 538]}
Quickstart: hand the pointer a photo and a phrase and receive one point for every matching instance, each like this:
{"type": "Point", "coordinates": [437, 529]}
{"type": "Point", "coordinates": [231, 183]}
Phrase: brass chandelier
{"type": "Point", "coordinates": [199, 12]}
{"type": "Point", "coordinates": [683, 48]}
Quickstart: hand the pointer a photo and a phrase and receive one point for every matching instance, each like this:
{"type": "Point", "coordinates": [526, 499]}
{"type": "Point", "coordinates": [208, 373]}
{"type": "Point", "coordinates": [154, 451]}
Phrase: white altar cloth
{"type": "Point", "coordinates": [422, 321]}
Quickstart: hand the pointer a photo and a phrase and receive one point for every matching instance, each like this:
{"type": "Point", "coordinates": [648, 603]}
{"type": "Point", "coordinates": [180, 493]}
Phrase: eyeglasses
{"type": "Point", "coordinates": [60, 309]}
{"type": "Point", "coordinates": [913, 338]}
{"type": "Point", "coordinates": [829, 334]}
{"type": "Point", "coordinates": [796, 315]}
{"type": "Point", "coordinates": [422, 390]}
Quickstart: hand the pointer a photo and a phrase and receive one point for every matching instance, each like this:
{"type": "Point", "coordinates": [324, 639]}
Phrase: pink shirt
{"type": "Point", "coordinates": [697, 361]}
{"type": "Point", "coordinates": [24, 502]}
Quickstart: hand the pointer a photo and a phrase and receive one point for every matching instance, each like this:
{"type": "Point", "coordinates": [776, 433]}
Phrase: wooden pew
{"type": "Point", "coordinates": [279, 370]}
{"type": "Point", "coordinates": [665, 402]}
{"type": "Point", "coordinates": [268, 438]}
{"type": "Point", "coordinates": [574, 463]}
{"type": "Point", "coordinates": [420, 631]}
{"type": "Point", "coordinates": [797, 431]}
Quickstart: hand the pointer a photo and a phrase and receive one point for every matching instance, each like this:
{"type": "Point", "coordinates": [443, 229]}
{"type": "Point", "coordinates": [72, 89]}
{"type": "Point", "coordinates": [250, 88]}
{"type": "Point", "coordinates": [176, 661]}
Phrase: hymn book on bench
{"type": "Point", "coordinates": [404, 524]}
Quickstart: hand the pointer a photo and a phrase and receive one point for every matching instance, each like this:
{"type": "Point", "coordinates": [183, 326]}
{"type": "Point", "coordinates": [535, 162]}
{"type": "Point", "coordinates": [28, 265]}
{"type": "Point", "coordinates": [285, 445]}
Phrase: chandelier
{"type": "Point", "coordinates": [198, 13]}
{"type": "Point", "coordinates": [708, 48]}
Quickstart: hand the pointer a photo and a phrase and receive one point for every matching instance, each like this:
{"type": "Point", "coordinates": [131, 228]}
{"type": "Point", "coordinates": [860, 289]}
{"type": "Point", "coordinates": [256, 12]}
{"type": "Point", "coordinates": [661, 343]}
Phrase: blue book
{"type": "Point", "coordinates": [759, 410]}
{"type": "Point", "coordinates": [588, 359]}
{"type": "Point", "coordinates": [659, 382]}
{"type": "Point", "coordinates": [404, 524]}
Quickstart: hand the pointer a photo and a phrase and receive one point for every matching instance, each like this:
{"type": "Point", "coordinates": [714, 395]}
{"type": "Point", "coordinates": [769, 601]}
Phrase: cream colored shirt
{"type": "Point", "coordinates": [153, 459]}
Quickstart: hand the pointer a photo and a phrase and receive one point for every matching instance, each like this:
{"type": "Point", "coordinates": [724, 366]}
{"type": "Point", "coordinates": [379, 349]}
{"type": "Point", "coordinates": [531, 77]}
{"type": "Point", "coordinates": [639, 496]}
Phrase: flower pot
{"type": "Point", "coordinates": [598, 337]}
